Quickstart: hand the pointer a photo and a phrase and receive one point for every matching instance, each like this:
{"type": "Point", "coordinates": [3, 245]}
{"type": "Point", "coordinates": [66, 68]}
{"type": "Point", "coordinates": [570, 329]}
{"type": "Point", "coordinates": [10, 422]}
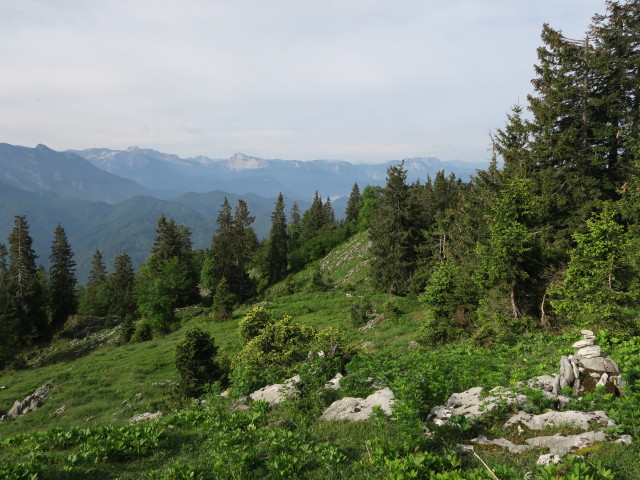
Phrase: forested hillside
{"type": "Point", "coordinates": [425, 289]}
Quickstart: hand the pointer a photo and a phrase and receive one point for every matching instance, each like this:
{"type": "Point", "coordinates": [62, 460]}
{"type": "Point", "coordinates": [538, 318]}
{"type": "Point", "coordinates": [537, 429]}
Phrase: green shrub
{"type": "Point", "coordinates": [360, 311]}
{"type": "Point", "coordinates": [143, 332]}
{"type": "Point", "coordinates": [194, 359]}
{"type": "Point", "coordinates": [252, 324]}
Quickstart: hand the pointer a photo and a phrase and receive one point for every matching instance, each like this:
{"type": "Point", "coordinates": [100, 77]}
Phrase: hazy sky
{"type": "Point", "coordinates": [357, 80]}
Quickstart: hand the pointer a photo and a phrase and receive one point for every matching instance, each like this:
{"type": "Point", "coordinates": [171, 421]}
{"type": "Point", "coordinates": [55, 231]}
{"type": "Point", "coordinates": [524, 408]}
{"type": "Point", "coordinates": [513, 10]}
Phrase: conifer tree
{"type": "Point", "coordinates": [121, 287]}
{"type": "Point", "coordinates": [223, 301]}
{"type": "Point", "coordinates": [395, 234]}
{"type": "Point", "coordinates": [26, 300]}
{"type": "Point", "coordinates": [95, 300]}
{"type": "Point", "coordinates": [353, 205]}
{"type": "Point", "coordinates": [278, 243]}
{"type": "Point", "coordinates": [221, 247]}
{"type": "Point", "coordinates": [62, 279]}
{"type": "Point", "coordinates": [244, 244]}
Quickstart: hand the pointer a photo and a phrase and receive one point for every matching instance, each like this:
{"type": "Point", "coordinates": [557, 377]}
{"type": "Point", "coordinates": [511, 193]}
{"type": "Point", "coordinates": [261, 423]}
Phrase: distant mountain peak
{"type": "Point", "coordinates": [240, 161]}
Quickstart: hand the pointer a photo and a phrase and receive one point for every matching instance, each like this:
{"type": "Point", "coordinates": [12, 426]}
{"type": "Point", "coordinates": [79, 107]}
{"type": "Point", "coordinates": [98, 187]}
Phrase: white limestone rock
{"type": "Point", "coordinates": [552, 418]}
{"type": "Point", "coordinates": [502, 442]}
{"type": "Point", "coordinates": [356, 409]}
{"type": "Point", "coordinates": [275, 394]}
{"type": "Point", "coordinates": [592, 351]}
{"type": "Point", "coordinates": [561, 445]}
{"type": "Point", "coordinates": [141, 417]}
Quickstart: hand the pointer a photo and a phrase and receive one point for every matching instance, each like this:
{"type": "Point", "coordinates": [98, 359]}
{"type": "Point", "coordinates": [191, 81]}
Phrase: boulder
{"type": "Point", "coordinates": [275, 394]}
{"type": "Point", "coordinates": [567, 375]}
{"type": "Point", "coordinates": [356, 409]}
{"type": "Point", "coordinates": [552, 418]}
{"type": "Point", "coordinates": [334, 383]}
{"type": "Point", "coordinates": [473, 403]}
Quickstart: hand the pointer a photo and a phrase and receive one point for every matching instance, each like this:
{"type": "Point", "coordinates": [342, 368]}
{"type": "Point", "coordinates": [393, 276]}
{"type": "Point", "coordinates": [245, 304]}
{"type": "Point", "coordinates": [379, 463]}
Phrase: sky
{"type": "Point", "coordinates": [355, 80]}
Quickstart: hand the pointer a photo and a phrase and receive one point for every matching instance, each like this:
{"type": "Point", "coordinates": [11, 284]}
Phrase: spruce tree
{"type": "Point", "coordinates": [278, 244]}
{"type": "Point", "coordinates": [223, 301]}
{"type": "Point", "coordinates": [95, 300]}
{"type": "Point", "coordinates": [353, 205]}
{"type": "Point", "coordinates": [121, 287]}
{"type": "Point", "coordinates": [395, 234]}
{"type": "Point", "coordinates": [26, 300]}
{"type": "Point", "coordinates": [244, 244]}
{"type": "Point", "coordinates": [62, 279]}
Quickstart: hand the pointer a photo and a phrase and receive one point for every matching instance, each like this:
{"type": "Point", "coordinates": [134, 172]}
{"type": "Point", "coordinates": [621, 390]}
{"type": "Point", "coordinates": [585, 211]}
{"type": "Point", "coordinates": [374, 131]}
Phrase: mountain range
{"type": "Point", "coordinates": [111, 199]}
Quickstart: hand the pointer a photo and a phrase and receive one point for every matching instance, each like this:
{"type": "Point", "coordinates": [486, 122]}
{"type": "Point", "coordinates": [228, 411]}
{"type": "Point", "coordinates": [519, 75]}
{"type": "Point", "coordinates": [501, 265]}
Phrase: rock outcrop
{"type": "Point", "coordinates": [356, 409]}
{"type": "Point", "coordinates": [31, 402]}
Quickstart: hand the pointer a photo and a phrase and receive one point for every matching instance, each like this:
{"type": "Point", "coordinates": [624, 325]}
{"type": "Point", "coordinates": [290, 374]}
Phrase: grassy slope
{"type": "Point", "coordinates": [93, 387]}
{"type": "Point", "coordinates": [111, 383]}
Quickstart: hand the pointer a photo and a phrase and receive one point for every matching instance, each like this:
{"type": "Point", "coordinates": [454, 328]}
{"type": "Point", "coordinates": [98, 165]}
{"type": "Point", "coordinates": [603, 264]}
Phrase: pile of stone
{"type": "Point", "coordinates": [583, 371]}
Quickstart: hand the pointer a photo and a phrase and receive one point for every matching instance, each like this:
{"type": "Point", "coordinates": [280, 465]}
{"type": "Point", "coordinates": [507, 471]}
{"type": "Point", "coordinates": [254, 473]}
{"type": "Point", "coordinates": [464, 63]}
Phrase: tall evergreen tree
{"type": "Point", "coordinates": [395, 234]}
{"type": "Point", "coordinates": [121, 287]}
{"type": "Point", "coordinates": [26, 300]}
{"type": "Point", "coordinates": [353, 205]}
{"type": "Point", "coordinates": [95, 300]}
{"type": "Point", "coordinates": [174, 241]}
{"type": "Point", "coordinates": [62, 279]}
{"type": "Point", "coordinates": [278, 243]}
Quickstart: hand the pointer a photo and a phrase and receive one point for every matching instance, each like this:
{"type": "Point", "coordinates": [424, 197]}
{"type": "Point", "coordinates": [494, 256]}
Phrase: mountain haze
{"type": "Point", "coordinates": [243, 174]}
{"type": "Point", "coordinates": [65, 173]}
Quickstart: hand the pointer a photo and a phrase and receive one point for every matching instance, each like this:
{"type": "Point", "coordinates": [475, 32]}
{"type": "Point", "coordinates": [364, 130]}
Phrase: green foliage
{"type": "Point", "coordinates": [195, 362]}
{"type": "Point", "coordinates": [361, 310]}
{"type": "Point", "coordinates": [271, 354]}
{"type": "Point", "coordinates": [223, 301]}
{"type": "Point", "coordinates": [121, 285]}
{"type": "Point", "coordinates": [595, 286]}
{"type": "Point", "coordinates": [62, 279]}
{"type": "Point", "coordinates": [143, 331]}
{"type": "Point", "coordinates": [395, 233]}
{"type": "Point", "coordinates": [253, 323]}
{"type": "Point", "coordinates": [95, 300]}
{"type": "Point", "coordinates": [442, 298]}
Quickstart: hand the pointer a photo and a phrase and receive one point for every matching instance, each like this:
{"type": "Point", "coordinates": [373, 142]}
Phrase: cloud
{"type": "Point", "coordinates": [348, 78]}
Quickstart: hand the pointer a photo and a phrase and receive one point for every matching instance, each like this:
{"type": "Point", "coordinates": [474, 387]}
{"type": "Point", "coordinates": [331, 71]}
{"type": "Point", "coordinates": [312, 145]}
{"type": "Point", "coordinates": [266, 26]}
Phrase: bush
{"type": "Point", "coordinates": [143, 332]}
{"type": "Point", "coordinates": [194, 359]}
{"type": "Point", "coordinates": [252, 324]}
{"type": "Point", "coordinates": [360, 311]}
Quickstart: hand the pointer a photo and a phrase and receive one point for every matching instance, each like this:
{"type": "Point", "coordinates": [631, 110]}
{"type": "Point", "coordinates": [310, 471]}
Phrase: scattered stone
{"type": "Point", "coordinates": [544, 460]}
{"type": "Point", "coordinates": [88, 419]}
{"type": "Point", "coordinates": [502, 442]}
{"type": "Point", "coordinates": [31, 402]}
{"type": "Point", "coordinates": [334, 383]}
{"type": "Point", "coordinates": [561, 445]}
{"type": "Point", "coordinates": [356, 409]}
{"type": "Point", "coordinates": [59, 411]}
{"type": "Point", "coordinates": [225, 393]}
{"type": "Point", "coordinates": [2, 387]}
{"type": "Point", "coordinates": [239, 405]}
{"type": "Point", "coordinates": [552, 418]}
{"type": "Point", "coordinates": [141, 417]}
{"type": "Point", "coordinates": [275, 394]}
